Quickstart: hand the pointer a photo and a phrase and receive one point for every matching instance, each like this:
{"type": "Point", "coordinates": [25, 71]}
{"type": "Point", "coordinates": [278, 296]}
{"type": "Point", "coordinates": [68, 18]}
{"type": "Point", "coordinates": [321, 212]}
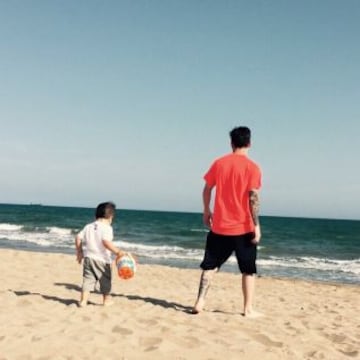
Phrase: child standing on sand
{"type": "Point", "coordinates": [94, 245]}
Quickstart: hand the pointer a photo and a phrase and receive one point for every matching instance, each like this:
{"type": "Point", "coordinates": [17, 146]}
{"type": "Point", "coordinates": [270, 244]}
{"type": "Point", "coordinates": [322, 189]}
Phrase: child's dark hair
{"type": "Point", "coordinates": [105, 210]}
{"type": "Point", "coordinates": [240, 137]}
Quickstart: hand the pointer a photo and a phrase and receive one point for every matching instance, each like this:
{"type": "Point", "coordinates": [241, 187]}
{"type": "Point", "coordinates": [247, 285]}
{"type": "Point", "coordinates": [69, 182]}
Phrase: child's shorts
{"type": "Point", "coordinates": [93, 271]}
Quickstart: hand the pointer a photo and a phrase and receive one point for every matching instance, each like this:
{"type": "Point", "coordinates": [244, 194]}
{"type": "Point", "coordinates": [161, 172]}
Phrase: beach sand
{"type": "Point", "coordinates": [150, 319]}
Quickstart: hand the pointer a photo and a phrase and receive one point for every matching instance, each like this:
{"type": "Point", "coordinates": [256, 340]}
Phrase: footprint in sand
{"type": "Point", "coordinates": [354, 353]}
{"type": "Point", "coordinates": [336, 338]}
{"type": "Point", "coordinates": [189, 342]}
{"type": "Point", "coordinates": [293, 330]}
{"type": "Point", "coordinates": [164, 330]}
{"type": "Point", "coordinates": [148, 322]}
{"type": "Point", "coordinates": [265, 340]}
{"type": "Point", "coordinates": [120, 330]}
{"type": "Point", "coordinates": [105, 315]}
{"type": "Point", "coordinates": [316, 355]}
{"type": "Point", "coordinates": [150, 343]}
{"type": "Point", "coordinates": [24, 302]}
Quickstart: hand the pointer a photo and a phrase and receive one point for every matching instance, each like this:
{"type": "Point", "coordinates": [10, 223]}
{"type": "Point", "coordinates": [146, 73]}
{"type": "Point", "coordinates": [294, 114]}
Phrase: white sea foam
{"type": "Point", "coordinates": [179, 253]}
{"type": "Point", "coordinates": [10, 227]}
{"type": "Point", "coordinates": [59, 231]}
{"type": "Point", "coordinates": [63, 238]}
{"type": "Point", "coordinates": [164, 248]}
{"type": "Point", "coordinates": [53, 237]}
{"type": "Point", "coordinates": [33, 238]}
{"type": "Point", "coordinates": [161, 251]}
{"type": "Point", "coordinates": [200, 230]}
{"type": "Point", "coordinates": [345, 266]}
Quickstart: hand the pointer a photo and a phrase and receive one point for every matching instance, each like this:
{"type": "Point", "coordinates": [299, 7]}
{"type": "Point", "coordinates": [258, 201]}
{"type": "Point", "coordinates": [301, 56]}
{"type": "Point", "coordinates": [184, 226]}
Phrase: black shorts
{"type": "Point", "coordinates": [220, 247]}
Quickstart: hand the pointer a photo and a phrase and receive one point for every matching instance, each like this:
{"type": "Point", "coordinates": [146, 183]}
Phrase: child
{"type": "Point", "coordinates": [94, 245]}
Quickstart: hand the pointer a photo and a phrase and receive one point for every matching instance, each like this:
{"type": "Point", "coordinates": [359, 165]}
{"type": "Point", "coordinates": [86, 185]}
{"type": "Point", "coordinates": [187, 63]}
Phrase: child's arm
{"type": "Point", "coordinates": [110, 246]}
{"type": "Point", "coordinates": [79, 252]}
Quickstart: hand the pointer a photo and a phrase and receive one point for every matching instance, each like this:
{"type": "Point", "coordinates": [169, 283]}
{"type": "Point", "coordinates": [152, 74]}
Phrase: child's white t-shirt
{"type": "Point", "coordinates": [92, 236]}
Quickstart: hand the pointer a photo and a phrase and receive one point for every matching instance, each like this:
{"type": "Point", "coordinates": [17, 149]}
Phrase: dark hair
{"type": "Point", "coordinates": [240, 137]}
{"type": "Point", "coordinates": [105, 210]}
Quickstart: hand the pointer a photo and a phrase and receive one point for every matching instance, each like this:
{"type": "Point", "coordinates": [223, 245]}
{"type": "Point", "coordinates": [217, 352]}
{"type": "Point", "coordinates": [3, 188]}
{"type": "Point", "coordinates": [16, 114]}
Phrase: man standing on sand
{"type": "Point", "coordinates": [234, 225]}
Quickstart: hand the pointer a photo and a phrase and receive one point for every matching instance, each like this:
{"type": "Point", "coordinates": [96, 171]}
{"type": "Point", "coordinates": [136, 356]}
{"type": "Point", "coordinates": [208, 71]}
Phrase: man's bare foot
{"type": "Point", "coordinates": [252, 314]}
{"type": "Point", "coordinates": [108, 303]}
{"type": "Point", "coordinates": [107, 300]}
{"type": "Point", "coordinates": [198, 307]}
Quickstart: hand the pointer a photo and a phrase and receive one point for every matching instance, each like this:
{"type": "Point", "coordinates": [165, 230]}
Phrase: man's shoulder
{"type": "Point", "coordinates": [230, 160]}
{"type": "Point", "coordinates": [253, 163]}
{"type": "Point", "coordinates": [223, 158]}
{"type": "Point", "coordinates": [234, 158]}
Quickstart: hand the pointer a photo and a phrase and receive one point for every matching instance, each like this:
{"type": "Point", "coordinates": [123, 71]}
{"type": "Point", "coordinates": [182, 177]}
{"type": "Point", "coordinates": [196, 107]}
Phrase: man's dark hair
{"type": "Point", "coordinates": [240, 137]}
{"type": "Point", "coordinates": [105, 210]}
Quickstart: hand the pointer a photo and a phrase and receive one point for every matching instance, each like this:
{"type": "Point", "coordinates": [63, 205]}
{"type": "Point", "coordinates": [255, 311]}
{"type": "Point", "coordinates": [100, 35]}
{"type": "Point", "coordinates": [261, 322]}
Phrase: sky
{"type": "Point", "coordinates": [132, 101]}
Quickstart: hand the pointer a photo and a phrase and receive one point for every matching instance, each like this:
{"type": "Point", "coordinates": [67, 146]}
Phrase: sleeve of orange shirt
{"type": "Point", "coordinates": [210, 176]}
{"type": "Point", "coordinates": [255, 178]}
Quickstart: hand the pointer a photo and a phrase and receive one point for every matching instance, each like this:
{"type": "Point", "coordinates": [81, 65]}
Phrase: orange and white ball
{"type": "Point", "coordinates": [126, 266]}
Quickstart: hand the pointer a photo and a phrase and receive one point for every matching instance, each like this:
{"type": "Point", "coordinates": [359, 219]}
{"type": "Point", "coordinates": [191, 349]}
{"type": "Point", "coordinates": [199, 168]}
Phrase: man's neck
{"type": "Point", "coordinates": [241, 151]}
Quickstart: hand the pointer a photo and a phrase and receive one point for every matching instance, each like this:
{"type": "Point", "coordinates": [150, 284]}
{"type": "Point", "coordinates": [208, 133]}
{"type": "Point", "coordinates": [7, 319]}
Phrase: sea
{"type": "Point", "coordinates": [325, 250]}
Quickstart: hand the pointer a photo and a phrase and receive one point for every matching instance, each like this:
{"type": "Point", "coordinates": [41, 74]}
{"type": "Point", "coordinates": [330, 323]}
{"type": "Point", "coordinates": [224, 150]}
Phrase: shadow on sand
{"type": "Point", "coordinates": [157, 302]}
{"type": "Point", "coordinates": [66, 302]}
{"type": "Point", "coordinates": [154, 301]}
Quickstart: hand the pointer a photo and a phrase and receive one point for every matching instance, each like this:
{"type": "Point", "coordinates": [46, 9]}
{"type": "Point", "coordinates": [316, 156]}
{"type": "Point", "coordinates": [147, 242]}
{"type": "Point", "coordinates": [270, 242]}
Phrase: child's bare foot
{"type": "Point", "coordinates": [84, 298]}
{"type": "Point", "coordinates": [82, 303]}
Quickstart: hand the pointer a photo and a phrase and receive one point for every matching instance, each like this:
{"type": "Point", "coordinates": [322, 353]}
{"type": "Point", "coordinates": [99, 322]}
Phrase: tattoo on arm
{"type": "Point", "coordinates": [254, 206]}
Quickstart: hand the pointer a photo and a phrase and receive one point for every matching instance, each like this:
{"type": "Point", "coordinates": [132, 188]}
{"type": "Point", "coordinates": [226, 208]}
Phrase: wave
{"type": "Point", "coordinates": [10, 227]}
{"type": "Point", "coordinates": [323, 264]}
{"type": "Point", "coordinates": [144, 247]}
{"type": "Point", "coordinates": [161, 251]}
{"type": "Point", "coordinates": [59, 231]}
{"type": "Point", "coordinates": [43, 237]}
{"type": "Point", "coordinates": [200, 230]}
{"type": "Point", "coordinates": [53, 237]}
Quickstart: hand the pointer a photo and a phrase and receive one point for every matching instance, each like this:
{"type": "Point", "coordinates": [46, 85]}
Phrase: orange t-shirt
{"type": "Point", "coordinates": [234, 176]}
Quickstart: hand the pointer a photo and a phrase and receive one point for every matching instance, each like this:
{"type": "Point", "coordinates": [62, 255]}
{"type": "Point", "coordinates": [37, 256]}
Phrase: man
{"type": "Point", "coordinates": [234, 225]}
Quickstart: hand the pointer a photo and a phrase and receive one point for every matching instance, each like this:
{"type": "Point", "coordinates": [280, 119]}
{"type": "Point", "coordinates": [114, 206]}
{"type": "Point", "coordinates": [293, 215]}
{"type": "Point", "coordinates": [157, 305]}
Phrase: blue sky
{"type": "Point", "coordinates": [133, 100]}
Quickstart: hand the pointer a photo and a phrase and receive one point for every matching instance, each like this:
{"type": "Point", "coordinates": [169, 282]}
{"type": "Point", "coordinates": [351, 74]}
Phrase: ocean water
{"type": "Point", "coordinates": [316, 249]}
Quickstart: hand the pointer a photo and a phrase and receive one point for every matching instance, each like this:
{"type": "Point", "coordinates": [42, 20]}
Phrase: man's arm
{"type": "Point", "coordinates": [207, 215]}
{"type": "Point", "coordinates": [254, 210]}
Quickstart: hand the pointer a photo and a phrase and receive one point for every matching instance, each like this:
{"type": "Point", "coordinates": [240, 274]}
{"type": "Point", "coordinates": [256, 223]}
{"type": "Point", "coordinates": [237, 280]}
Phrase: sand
{"type": "Point", "coordinates": [150, 319]}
